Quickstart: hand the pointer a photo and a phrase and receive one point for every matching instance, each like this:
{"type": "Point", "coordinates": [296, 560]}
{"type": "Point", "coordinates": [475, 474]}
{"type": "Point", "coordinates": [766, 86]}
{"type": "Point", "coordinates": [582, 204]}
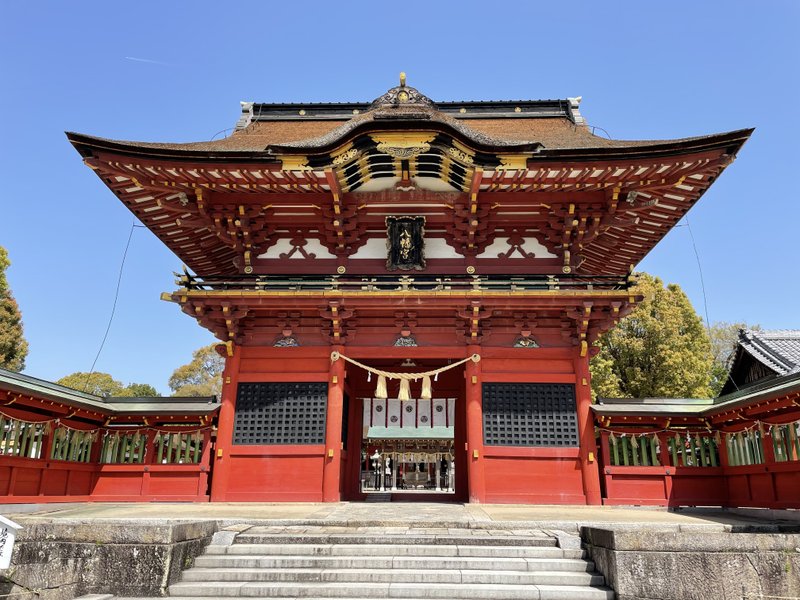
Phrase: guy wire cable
{"type": "Point", "coordinates": [114, 305]}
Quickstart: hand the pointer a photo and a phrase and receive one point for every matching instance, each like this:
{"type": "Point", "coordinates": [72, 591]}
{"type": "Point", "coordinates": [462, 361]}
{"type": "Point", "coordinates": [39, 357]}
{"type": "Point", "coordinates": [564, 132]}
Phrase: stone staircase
{"type": "Point", "coordinates": [390, 562]}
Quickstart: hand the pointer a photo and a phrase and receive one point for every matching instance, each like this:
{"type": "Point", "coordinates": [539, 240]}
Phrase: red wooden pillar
{"type": "Point", "coordinates": [474, 409]}
{"type": "Point", "coordinates": [605, 454]}
{"type": "Point", "coordinates": [332, 467]}
{"type": "Point", "coordinates": [588, 445]}
{"type": "Point", "coordinates": [150, 458]}
{"type": "Point", "coordinates": [221, 458]}
{"type": "Point", "coordinates": [666, 462]}
{"type": "Point", "coordinates": [205, 461]}
{"type": "Point", "coordinates": [769, 460]}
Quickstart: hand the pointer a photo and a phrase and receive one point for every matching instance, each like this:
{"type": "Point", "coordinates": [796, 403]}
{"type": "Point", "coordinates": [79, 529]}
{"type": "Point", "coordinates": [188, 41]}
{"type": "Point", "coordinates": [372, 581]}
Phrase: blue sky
{"type": "Point", "coordinates": [176, 71]}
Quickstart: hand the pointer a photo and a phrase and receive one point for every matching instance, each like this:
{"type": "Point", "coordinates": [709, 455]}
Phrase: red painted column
{"type": "Point", "coordinates": [205, 462]}
{"type": "Point", "coordinates": [221, 458]}
{"type": "Point", "coordinates": [605, 453]}
{"type": "Point", "coordinates": [588, 449]}
{"type": "Point", "coordinates": [475, 459]}
{"type": "Point", "coordinates": [332, 467]}
{"type": "Point", "coordinates": [666, 460]}
{"type": "Point", "coordinates": [769, 460]}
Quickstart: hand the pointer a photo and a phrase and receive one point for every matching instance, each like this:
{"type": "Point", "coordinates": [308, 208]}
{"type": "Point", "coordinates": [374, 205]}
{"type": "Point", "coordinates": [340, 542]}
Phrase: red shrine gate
{"type": "Point", "coordinates": [408, 235]}
{"type": "Point", "coordinates": [484, 472]}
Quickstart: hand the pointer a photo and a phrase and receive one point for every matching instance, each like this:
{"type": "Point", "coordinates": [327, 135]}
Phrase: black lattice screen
{"type": "Point", "coordinates": [280, 413]}
{"type": "Point", "coordinates": [529, 414]}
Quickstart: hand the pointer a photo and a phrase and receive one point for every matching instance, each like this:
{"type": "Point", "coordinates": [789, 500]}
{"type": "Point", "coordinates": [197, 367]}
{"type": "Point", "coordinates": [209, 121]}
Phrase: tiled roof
{"type": "Point", "coordinates": [777, 349]}
{"type": "Point", "coordinates": [705, 407]}
{"type": "Point", "coordinates": [268, 129]}
{"type": "Point", "coordinates": [39, 388]}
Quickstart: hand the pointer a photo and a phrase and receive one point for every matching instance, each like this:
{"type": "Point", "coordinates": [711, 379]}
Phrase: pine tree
{"type": "Point", "coordinates": [13, 346]}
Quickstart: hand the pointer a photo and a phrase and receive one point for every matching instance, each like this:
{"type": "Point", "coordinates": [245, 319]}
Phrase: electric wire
{"type": "Point", "coordinates": [703, 288]}
{"type": "Point", "coordinates": [114, 305]}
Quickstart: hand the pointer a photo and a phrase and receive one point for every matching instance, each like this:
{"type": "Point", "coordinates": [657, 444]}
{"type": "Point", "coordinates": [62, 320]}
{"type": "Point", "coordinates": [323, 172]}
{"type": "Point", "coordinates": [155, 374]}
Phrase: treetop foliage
{"type": "Point", "coordinates": [13, 346]}
{"type": "Point", "coordinates": [200, 377]}
{"type": "Point", "coordinates": [104, 385]}
{"type": "Point", "coordinates": [661, 349]}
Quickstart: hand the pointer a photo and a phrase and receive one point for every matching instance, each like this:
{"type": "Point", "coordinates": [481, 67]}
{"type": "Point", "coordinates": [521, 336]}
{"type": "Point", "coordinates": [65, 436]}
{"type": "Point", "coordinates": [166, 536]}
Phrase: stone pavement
{"type": "Point", "coordinates": [751, 547]}
{"type": "Point", "coordinates": [409, 514]}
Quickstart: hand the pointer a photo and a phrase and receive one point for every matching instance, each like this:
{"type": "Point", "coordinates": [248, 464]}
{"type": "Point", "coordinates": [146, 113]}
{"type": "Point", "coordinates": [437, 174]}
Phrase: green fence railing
{"type": "Point", "coordinates": [72, 445]}
{"type": "Point", "coordinates": [20, 438]}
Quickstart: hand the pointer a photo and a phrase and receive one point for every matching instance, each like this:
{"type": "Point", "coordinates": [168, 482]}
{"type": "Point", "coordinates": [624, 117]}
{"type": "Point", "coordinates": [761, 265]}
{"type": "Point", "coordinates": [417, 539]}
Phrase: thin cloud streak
{"type": "Point", "coordinates": [148, 60]}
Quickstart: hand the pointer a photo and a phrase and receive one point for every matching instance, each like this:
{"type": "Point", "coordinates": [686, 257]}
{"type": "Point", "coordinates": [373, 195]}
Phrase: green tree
{"type": "Point", "coordinates": [724, 338]}
{"type": "Point", "coordinates": [104, 385]}
{"type": "Point", "coordinates": [660, 350]}
{"type": "Point", "coordinates": [13, 347]}
{"type": "Point", "coordinates": [202, 376]}
{"type": "Point", "coordinates": [139, 390]}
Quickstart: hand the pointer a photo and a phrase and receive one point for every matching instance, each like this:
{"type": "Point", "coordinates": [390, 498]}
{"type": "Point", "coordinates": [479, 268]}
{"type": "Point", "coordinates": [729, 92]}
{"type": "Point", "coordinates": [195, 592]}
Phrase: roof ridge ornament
{"type": "Point", "coordinates": [402, 95]}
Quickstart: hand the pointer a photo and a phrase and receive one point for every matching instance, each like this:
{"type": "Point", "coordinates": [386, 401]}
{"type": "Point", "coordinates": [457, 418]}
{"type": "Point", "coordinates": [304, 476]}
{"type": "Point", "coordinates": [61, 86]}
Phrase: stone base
{"type": "Point", "coordinates": [59, 561]}
{"type": "Point", "coordinates": [649, 564]}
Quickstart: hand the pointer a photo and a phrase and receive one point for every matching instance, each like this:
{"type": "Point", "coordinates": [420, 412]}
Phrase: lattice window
{"type": "Point", "coordinates": [280, 413]}
{"type": "Point", "coordinates": [19, 438]}
{"type": "Point", "coordinates": [123, 447]}
{"type": "Point", "coordinates": [529, 414]}
{"type": "Point", "coordinates": [72, 445]}
{"type": "Point", "coordinates": [745, 448]}
{"type": "Point", "coordinates": [178, 448]}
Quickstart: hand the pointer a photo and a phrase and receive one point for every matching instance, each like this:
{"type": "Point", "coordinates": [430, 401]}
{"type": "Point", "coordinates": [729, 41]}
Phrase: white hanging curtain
{"type": "Point", "coordinates": [440, 412]}
{"type": "Point", "coordinates": [394, 413]}
{"type": "Point", "coordinates": [378, 412]}
{"type": "Point", "coordinates": [424, 413]}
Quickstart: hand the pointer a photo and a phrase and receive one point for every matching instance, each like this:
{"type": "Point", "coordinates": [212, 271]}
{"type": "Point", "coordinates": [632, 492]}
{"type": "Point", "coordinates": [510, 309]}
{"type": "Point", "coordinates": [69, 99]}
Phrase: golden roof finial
{"type": "Point", "coordinates": [402, 79]}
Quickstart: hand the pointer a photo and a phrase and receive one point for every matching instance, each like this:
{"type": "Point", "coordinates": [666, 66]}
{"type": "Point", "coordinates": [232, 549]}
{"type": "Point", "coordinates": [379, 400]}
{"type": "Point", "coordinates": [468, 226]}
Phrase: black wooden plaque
{"type": "Point", "coordinates": [405, 243]}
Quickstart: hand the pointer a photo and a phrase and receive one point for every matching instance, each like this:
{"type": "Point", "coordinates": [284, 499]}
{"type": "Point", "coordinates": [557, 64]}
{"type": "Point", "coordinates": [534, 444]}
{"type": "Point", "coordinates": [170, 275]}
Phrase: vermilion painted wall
{"type": "Point", "coordinates": [27, 480]}
{"type": "Point", "coordinates": [532, 475]}
{"type": "Point", "coordinates": [267, 473]}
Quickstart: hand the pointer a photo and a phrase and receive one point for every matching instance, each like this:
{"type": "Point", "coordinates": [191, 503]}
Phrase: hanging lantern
{"type": "Point", "coordinates": [380, 389]}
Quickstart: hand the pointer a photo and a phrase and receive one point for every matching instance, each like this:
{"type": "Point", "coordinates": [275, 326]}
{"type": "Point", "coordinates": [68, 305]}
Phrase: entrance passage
{"type": "Point", "coordinates": [407, 446]}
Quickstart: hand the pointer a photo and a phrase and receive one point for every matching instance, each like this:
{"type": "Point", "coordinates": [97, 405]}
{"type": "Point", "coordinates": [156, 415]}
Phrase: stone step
{"type": "Point", "coordinates": [379, 497]}
{"type": "Point", "coordinates": [392, 575]}
{"type": "Point", "coordinates": [229, 561]}
{"type": "Point", "coordinates": [405, 539]}
{"type": "Point", "coordinates": [377, 550]}
{"type": "Point", "coordinates": [467, 591]}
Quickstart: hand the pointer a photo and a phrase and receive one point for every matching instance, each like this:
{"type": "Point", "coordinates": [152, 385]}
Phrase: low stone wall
{"type": "Point", "coordinates": [648, 564]}
{"type": "Point", "coordinates": [64, 559]}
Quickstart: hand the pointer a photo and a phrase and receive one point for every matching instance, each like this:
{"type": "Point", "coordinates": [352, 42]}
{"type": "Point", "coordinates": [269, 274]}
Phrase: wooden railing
{"type": "Point", "coordinates": [67, 464]}
{"type": "Point", "coordinates": [759, 467]}
{"type": "Point", "coordinates": [419, 283]}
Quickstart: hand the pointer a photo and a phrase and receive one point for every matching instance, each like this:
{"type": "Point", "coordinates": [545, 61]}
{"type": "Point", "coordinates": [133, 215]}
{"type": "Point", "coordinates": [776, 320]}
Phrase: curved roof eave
{"type": "Point", "coordinates": [85, 144]}
{"type": "Point", "coordinates": [731, 142]}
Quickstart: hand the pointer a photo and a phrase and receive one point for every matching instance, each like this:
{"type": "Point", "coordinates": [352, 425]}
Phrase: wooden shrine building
{"type": "Point", "coordinates": [407, 292]}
